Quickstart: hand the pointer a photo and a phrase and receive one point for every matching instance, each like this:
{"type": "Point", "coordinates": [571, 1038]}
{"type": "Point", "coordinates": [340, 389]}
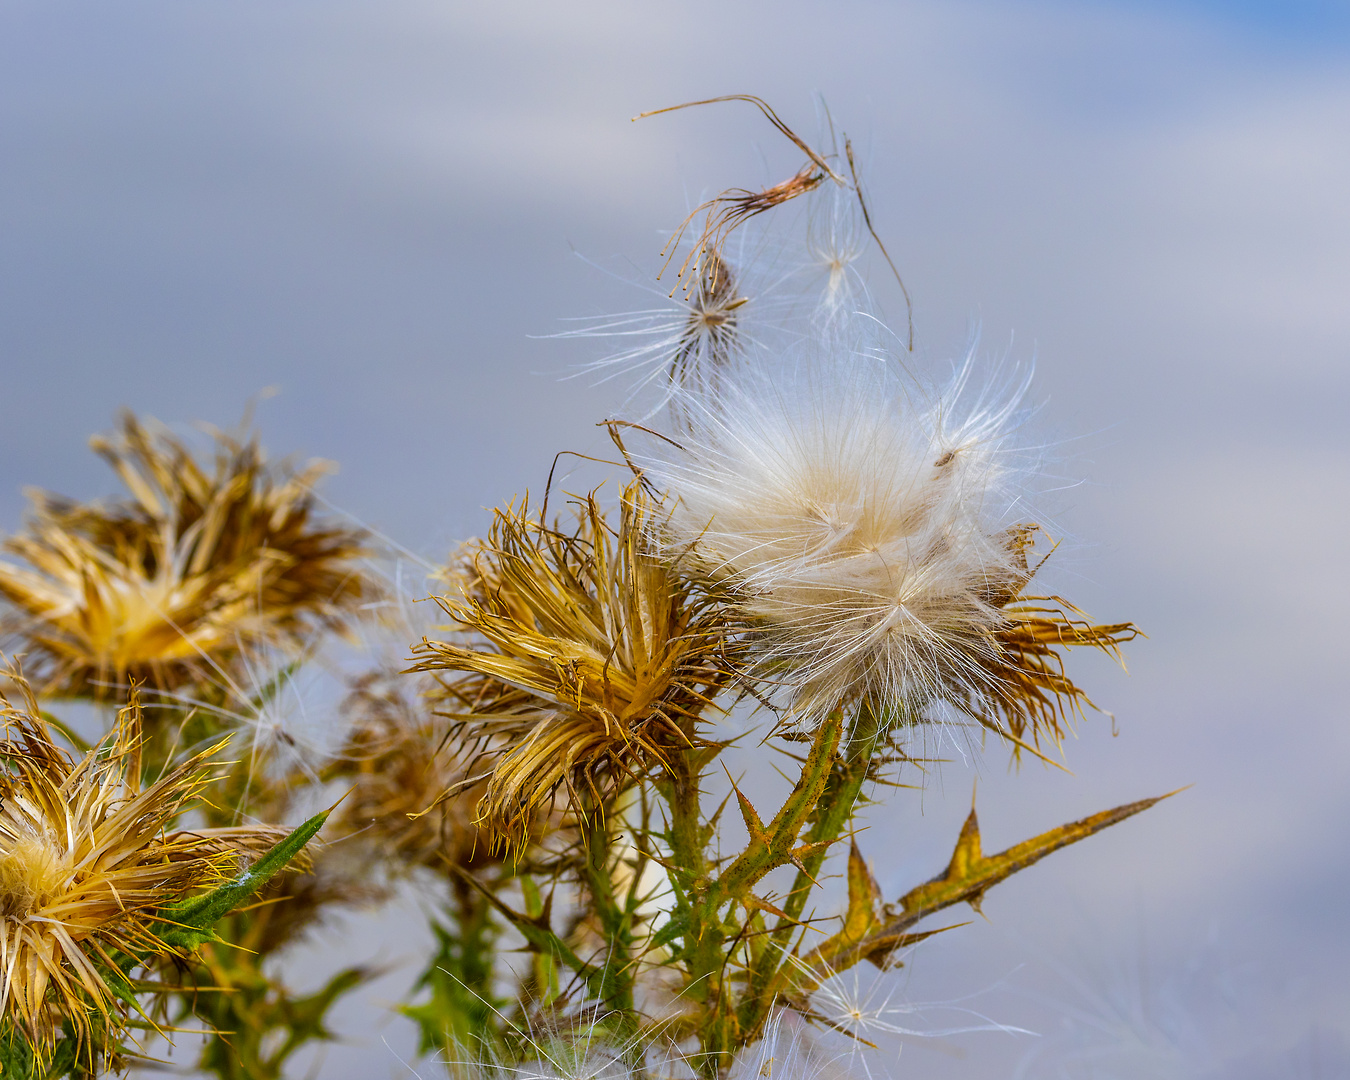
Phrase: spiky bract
{"type": "Point", "coordinates": [86, 864]}
{"type": "Point", "coordinates": [199, 564]}
{"type": "Point", "coordinates": [588, 657]}
{"type": "Point", "coordinates": [1022, 688]}
{"type": "Point", "coordinates": [862, 525]}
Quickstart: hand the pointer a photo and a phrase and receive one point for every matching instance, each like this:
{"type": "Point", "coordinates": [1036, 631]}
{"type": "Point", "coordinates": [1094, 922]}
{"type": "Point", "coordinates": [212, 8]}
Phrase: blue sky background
{"type": "Point", "coordinates": [378, 208]}
{"type": "Point", "coordinates": [1300, 22]}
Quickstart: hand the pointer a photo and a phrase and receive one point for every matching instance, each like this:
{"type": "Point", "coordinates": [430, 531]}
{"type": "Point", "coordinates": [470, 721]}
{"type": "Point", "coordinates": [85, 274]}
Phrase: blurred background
{"type": "Point", "coordinates": [378, 208]}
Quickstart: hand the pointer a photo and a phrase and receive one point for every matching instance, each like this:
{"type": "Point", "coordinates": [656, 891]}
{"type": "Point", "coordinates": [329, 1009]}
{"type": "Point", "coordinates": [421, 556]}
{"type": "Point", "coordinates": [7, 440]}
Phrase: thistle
{"type": "Point", "coordinates": [586, 658]}
{"type": "Point", "coordinates": [200, 565]}
{"type": "Point", "coordinates": [89, 865]}
{"type": "Point", "coordinates": [836, 535]}
{"type": "Point", "coordinates": [830, 533]}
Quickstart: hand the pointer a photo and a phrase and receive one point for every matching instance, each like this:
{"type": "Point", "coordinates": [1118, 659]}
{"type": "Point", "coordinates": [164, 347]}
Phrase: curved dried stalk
{"type": "Point", "coordinates": [726, 212]}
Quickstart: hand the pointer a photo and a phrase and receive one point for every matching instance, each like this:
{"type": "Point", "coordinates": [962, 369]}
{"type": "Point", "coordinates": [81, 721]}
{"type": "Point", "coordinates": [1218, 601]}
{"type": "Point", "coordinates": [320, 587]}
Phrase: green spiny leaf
{"type": "Point", "coordinates": [192, 919]}
{"type": "Point", "coordinates": [536, 930]}
{"type": "Point", "coordinates": [771, 846]}
{"type": "Point", "coordinates": [753, 824]}
{"type": "Point", "coordinates": [970, 873]}
{"type": "Point", "coordinates": [864, 897]}
{"type": "Point", "coordinates": [674, 927]}
{"type": "Point", "coordinates": [864, 917]}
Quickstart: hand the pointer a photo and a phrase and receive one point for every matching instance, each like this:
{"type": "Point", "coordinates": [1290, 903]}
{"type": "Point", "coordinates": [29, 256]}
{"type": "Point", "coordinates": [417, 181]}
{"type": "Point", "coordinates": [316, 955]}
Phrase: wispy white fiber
{"type": "Point", "coordinates": [855, 513]}
{"type": "Point", "coordinates": [280, 707]}
{"type": "Point", "coordinates": [747, 301]}
{"type": "Point", "coordinates": [836, 238]}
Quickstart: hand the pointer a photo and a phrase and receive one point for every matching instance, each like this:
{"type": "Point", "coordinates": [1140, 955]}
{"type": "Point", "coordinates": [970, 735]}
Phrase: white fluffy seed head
{"type": "Point", "coordinates": [856, 518]}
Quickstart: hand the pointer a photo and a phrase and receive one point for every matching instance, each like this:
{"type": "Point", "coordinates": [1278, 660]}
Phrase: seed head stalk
{"type": "Point", "coordinates": [832, 816]}
{"type": "Point", "coordinates": [709, 934]}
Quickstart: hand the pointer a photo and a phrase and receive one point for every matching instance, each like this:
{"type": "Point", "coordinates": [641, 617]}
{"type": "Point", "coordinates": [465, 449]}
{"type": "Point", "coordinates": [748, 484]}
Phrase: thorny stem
{"type": "Point", "coordinates": [686, 838]}
{"type": "Point", "coordinates": [700, 902]}
{"type": "Point", "coordinates": [829, 820]}
{"type": "Point", "coordinates": [462, 1006]}
{"type": "Point", "coordinates": [614, 911]}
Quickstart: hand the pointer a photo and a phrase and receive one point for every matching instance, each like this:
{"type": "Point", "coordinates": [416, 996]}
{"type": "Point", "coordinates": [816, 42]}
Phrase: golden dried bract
{"type": "Point", "coordinates": [86, 865]}
{"type": "Point", "coordinates": [1016, 684]}
{"type": "Point", "coordinates": [585, 657]}
{"type": "Point", "coordinates": [200, 564]}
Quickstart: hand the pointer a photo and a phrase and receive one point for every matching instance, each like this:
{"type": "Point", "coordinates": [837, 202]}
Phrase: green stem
{"type": "Point", "coordinates": [703, 926]}
{"type": "Point", "coordinates": [462, 1008]}
{"type": "Point", "coordinates": [830, 819]}
{"type": "Point", "coordinates": [613, 984]}
{"type": "Point", "coordinates": [700, 941]}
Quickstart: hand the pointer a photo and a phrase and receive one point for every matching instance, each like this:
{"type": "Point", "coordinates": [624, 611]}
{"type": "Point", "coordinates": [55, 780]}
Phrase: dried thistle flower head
{"type": "Point", "coordinates": [587, 657]}
{"type": "Point", "coordinates": [197, 566]}
{"type": "Point", "coordinates": [400, 759]}
{"type": "Point", "coordinates": [87, 861]}
{"type": "Point", "coordinates": [860, 525]}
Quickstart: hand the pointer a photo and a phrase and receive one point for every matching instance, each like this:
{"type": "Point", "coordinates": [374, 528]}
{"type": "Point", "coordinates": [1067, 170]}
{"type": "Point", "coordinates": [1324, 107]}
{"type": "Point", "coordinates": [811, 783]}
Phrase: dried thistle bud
{"type": "Point", "coordinates": [711, 334]}
{"type": "Point", "coordinates": [87, 862]}
{"type": "Point", "coordinates": [588, 658]}
{"type": "Point", "coordinates": [197, 566]}
{"type": "Point", "coordinates": [401, 759]}
{"type": "Point", "coordinates": [683, 344]}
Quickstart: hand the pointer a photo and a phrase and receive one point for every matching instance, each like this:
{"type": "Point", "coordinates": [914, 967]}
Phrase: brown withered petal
{"type": "Point", "coordinates": [197, 565]}
{"type": "Point", "coordinates": [733, 208]}
{"type": "Point", "coordinates": [585, 658]}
